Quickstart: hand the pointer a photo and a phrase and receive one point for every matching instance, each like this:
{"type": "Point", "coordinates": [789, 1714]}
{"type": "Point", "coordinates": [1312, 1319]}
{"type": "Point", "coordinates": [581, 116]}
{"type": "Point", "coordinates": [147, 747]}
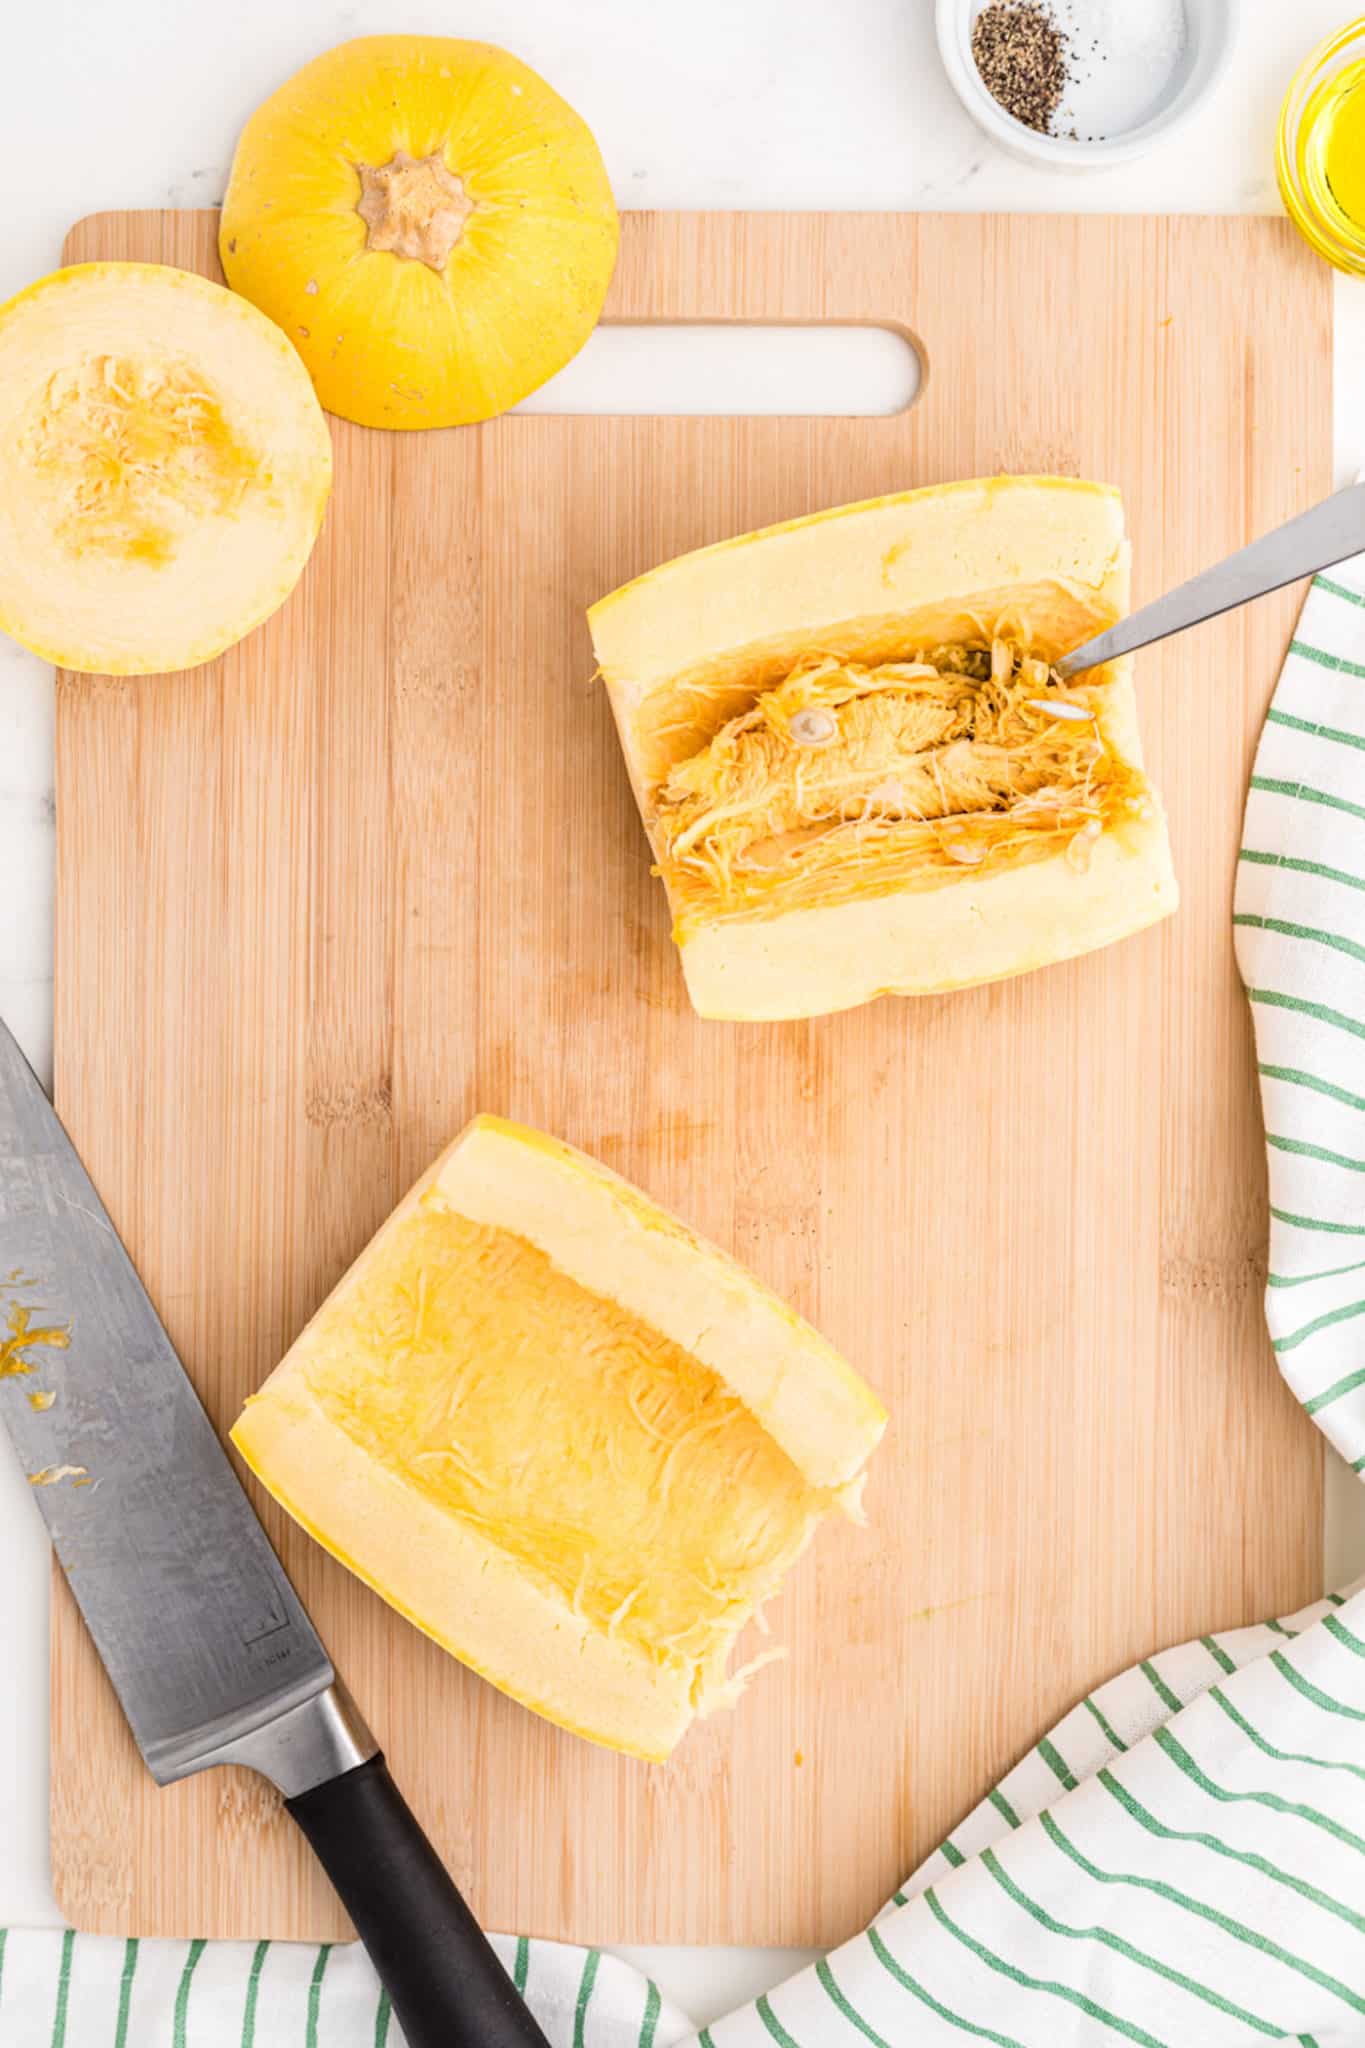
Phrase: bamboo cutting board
{"type": "Point", "coordinates": [379, 868]}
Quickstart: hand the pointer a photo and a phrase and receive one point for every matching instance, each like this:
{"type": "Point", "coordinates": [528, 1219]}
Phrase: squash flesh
{"type": "Point", "coordinates": [462, 1335]}
{"type": "Point", "coordinates": [571, 1441]}
{"type": "Point", "coordinates": [133, 453]}
{"type": "Point", "coordinates": [843, 781]}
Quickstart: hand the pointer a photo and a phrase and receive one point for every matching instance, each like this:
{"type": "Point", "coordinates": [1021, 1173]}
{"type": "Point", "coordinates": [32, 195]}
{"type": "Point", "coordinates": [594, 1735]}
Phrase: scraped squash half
{"type": "Point", "coordinates": [164, 465]}
{"type": "Point", "coordinates": [574, 1443]}
{"type": "Point", "coordinates": [858, 773]}
{"type": "Point", "coordinates": [429, 222]}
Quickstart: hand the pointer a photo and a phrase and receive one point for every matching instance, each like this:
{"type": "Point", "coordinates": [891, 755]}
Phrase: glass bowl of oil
{"type": "Point", "coordinates": [1320, 148]}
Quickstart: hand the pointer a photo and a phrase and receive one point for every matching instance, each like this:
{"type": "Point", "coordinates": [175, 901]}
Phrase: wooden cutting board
{"type": "Point", "coordinates": [379, 868]}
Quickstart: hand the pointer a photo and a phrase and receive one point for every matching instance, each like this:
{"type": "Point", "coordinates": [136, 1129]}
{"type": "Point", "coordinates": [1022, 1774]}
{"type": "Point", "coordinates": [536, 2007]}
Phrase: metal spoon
{"type": "Point", "coordinates": [1329, 533]}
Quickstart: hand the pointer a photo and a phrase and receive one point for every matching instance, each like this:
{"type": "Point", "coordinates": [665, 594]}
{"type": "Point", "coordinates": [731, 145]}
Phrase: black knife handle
{"type": "Point", "coordinates": [447, 1986]}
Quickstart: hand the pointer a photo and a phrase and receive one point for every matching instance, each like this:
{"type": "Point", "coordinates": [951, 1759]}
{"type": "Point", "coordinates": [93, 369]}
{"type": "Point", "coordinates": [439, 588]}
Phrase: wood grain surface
{"type": "Point", "coordinates": [379, 867]}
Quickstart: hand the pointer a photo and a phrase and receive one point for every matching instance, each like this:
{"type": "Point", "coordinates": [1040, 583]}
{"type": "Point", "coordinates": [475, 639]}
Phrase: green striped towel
{"type": "Point", "coordinates": [1182, 1860]}
{"type": "Point", "coordinates": [1300, 918]}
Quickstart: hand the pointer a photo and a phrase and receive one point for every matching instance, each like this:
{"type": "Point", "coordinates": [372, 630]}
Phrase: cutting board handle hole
{"type": "Point", "coordinates": [733, 369]}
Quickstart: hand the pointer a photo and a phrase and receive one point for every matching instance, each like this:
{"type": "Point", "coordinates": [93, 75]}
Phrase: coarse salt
{"type": "Point", "coordinates": [1121, 58]}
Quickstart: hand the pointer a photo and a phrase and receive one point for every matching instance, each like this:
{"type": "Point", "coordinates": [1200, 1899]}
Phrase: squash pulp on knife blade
{"type": "Point", "coordinates": [575, 1444]}
{"type": "Point", "coordinates": [859, 771]}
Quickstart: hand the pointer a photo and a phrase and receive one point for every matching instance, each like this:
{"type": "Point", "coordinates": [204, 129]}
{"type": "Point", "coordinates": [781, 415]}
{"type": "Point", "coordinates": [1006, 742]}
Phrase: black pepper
{"type": "Point", "coordinates": [1021, 54]}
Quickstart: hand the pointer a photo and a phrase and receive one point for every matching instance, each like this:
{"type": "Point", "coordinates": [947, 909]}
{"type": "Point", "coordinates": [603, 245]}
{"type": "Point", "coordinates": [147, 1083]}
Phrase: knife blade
{"type": "Point", "coordinates": [193, 1617]}
{"type": "Point", "coordinates": [210, 1651]}
{"type": "Point", "coordinates": [1317, 539]}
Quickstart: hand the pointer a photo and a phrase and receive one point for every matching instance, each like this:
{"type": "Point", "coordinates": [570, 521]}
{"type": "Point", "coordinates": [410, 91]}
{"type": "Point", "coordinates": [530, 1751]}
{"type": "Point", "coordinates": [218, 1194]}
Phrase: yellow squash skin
{"type": "Point", "coordinates": [164, 468]}
{"type": "Point", "coordinates": [695, 645]}
{"type": "Point", "coordinates": [428, 221]}
{"type": "Point", "coordinates": [574, 1443]}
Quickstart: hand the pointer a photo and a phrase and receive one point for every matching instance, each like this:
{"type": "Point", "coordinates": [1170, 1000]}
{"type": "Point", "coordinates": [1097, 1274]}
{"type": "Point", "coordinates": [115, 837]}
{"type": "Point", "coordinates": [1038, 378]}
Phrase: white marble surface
{"type": "Point", "coordinates": [724, 103]}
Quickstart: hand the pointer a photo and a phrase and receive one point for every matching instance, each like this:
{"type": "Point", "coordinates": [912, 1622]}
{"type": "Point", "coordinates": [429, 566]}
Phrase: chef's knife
{"type": "Point", "coordinates": [211, 1654]}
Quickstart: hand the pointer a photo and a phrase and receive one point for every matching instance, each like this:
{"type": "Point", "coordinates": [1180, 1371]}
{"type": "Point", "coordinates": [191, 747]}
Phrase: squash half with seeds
{"type": "Point", "coordinates": [858, 772]}
{"type": "Point", "coordinates": [573, 1442]}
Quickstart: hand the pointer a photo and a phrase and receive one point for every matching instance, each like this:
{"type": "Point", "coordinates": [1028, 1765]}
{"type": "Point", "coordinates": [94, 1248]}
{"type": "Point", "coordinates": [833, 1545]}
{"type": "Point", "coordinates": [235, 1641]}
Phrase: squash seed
{"type": "Point", "coordinates": [1053, 709]}
{"type": "Point", "coordinates": [815, 727]}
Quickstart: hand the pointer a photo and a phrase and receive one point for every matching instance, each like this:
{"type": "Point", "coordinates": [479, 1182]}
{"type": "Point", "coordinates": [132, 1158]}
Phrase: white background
{"type": "Point", "coordinates": [719, 103]}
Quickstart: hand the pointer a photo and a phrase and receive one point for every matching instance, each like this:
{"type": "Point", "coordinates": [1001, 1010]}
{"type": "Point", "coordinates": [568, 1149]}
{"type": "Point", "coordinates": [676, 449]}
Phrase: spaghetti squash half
{"type": "Point", "coordinates": [858, 771]}
{"type": "Point", "coordinates": [571, 1441]}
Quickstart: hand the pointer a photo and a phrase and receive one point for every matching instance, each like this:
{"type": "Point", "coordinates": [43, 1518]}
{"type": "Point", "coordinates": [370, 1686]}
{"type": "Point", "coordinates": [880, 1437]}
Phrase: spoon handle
{"type": "Point", "coordinates": [1328, 533]}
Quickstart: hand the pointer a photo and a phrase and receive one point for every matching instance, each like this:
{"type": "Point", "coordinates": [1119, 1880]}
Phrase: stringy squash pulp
{"type": "Point", "coordinates": [428, 221]}
{"type": "Point", "coordinates": [164, 466]}
{"type": "Point", "coordinates": [860, 774]}
{"type": "Point", "coordinates": [572, 1442]}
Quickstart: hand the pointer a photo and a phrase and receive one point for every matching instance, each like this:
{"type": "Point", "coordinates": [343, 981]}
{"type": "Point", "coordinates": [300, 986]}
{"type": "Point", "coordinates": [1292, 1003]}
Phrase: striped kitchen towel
{"type": "Point", "coordinates": [1181, 1862]}
{"type": "Point", "coordinates": [1300, 918]}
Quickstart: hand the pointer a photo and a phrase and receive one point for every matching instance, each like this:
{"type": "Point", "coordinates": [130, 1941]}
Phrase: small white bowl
{"type": "Point", "coordinates": [1208, 40]}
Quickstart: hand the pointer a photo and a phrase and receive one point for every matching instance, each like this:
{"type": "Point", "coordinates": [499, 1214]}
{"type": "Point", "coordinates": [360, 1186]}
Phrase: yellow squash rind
{"type": "Point", "coordinates": [479, 311]}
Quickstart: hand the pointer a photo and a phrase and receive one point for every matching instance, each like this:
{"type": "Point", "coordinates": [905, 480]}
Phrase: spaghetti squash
{"type": "Point", "coordinates": [858, 770]}
{"type": "Point", "coordinates": [428, 221]}
{"type": "Point", "coordinates": [574, 1443]}
{"type": "Point", "coordinates": [164, 466]}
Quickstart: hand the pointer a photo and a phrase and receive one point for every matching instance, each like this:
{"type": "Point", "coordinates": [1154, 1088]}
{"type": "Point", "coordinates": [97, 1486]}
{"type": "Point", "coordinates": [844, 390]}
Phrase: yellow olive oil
{"type": "Point", "coordinates": [1331, 150]}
